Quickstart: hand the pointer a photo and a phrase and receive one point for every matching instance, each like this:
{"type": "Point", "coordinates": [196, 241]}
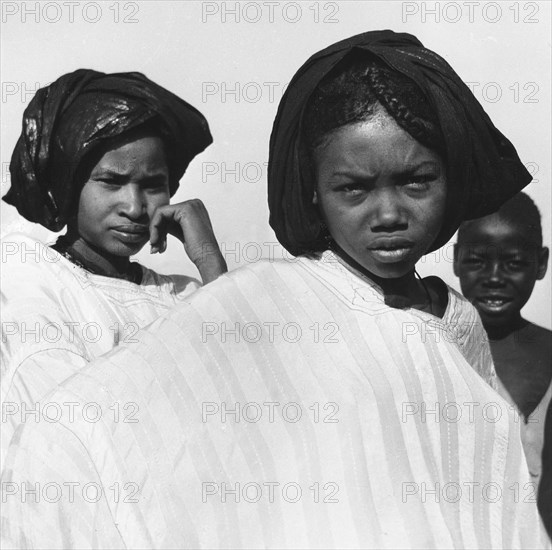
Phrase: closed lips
{"type": "Point", "coordinates": [134, 229]}
{"type": "Point", "coordinates": [395, 244]}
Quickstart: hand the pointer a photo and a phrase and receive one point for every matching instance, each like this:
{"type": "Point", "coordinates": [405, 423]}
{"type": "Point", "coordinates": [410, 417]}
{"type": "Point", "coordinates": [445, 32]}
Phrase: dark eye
{"type": "Point", "coordinates": [474, 263]}
{"type": "Point", "coordinates": [109, 181]}
{"type": "Point", "coordinates": [351, 189]}
{"type": "Point", "coordinates": [516, 265]}
{"type": "Point", "coordinates": [155, 186]}
{"type": "Point", "coordinates": [420, 181]}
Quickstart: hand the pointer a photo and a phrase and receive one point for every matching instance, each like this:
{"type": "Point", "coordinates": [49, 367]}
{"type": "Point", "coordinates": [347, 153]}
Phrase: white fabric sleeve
{"type": "Point", "coordinates": [56, 498]}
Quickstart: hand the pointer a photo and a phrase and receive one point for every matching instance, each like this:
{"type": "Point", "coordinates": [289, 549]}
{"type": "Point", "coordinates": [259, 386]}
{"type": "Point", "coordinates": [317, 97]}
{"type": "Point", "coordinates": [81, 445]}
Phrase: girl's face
{"type": "Point", "coordinates": [381, 194]}
{"type": "Point", "coordinates": [121, 194]}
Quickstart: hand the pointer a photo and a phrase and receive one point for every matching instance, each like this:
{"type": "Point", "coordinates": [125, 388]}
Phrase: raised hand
{"type": "Point", "coordinates": [189, 222]}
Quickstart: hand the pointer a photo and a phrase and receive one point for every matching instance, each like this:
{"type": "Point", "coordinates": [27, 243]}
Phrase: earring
{"type": "Point", "coordinates": [325, 234]}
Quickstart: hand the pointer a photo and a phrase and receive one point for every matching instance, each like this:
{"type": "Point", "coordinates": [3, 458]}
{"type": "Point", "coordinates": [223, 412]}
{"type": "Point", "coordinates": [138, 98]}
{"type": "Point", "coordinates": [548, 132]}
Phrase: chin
{"type": "Point", "coordinates": [392, 274]}
{"type": "Point", "coordinates": [388, 271]}
{"type": "Point", "coordinates": [498, 320]}
{"type": "Point", "coordinates": [125, 250]}
{"type": "Point", "coordinates": [386, 268]}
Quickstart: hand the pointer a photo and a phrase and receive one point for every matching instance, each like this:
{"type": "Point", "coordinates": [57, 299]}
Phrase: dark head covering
{"type": "Point", "coordinates": [483, 168]}
{"type": "Point", "coordinates": [69, 118]}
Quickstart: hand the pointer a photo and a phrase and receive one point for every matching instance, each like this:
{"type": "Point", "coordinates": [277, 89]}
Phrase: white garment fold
{"type": "Point", "coordinates": [282, 406]}
{"type": "Point", "coordinates": [57, 317]}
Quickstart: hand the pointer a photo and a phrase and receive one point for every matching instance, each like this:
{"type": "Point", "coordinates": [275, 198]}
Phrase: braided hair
{"type": "Point", "coordinates": [352, 94]}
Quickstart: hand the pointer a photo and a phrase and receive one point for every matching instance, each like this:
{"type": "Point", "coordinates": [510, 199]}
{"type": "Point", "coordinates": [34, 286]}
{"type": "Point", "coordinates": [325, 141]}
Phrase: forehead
{"type": "Point", "coordinates": [137, 150]}
{"type": "Point", "coordinates": [376, 144]}
{"type": "Point", "coordinates": [493, 230]}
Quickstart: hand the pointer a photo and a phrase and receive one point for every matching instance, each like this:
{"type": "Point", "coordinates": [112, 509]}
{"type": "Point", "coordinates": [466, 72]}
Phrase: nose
{"type": "Point", "coordinates": [493, 275]}
{"type": "Point", "coordinates": [132, 201]}
{"type": "Point", "coordinates": [387, 211]}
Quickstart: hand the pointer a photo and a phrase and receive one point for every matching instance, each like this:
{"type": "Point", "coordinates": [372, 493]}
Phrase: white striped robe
{"type": "Point", "coordinates": [57, 317]}
{"type": "Point", "coordinates": [282, 406]}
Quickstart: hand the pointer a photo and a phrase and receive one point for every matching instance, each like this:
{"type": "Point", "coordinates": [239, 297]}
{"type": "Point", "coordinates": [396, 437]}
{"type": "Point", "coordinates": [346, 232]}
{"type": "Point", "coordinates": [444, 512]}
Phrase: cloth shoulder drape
{"type": "Point", "coordinates": [282, 406]}
{"type": "Point", "coordinates": [57, 317]}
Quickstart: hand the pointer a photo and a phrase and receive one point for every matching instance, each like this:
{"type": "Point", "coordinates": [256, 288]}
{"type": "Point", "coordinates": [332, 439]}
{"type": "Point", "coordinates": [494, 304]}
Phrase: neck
{"type": "Point", "coordinates": [93, 258]}
{"type": "Point", "coordinates": [502, 331]}
{"type": "Point", "coordinates": [399, 292]}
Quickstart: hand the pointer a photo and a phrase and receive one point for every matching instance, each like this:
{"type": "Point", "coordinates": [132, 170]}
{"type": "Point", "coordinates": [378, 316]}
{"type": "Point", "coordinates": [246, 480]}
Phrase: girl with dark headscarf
{"type": "Point", "coordinates": [101, 154]}
{"type": "Point", "coordinates": [332, 401]}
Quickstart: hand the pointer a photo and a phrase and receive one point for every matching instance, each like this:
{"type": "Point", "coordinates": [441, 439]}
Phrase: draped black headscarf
{"type": "Point", "coordinates": [483, 168]}
{"type": "Point", "coordinates": [72, 116]}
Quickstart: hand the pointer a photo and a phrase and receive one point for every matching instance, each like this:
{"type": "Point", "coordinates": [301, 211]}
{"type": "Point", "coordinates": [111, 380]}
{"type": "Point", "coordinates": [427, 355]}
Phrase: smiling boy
{"type": "Point", "coordinates": [498, 259]}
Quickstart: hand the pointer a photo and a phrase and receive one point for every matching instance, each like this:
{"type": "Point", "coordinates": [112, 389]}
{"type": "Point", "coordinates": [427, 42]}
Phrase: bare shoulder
{"type": "Point", "coordinates": [538, 335]}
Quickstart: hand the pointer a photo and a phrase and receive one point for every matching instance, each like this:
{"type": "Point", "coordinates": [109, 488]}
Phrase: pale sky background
{"type": "Point", "coordinates": [199, 51]}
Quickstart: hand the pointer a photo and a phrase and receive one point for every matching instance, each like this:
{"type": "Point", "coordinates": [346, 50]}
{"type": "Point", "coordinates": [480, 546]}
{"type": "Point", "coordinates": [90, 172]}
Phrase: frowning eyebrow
{"type": "Point", "coordinates": [108, 172]}
{"type": "Point", "coordinates": [405, 170]}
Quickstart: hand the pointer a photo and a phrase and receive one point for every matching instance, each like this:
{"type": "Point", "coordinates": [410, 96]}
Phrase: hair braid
{"type": "Point", "coordinates": [405, 103]}
{"type": "Point", "coordinates": [351, 94]}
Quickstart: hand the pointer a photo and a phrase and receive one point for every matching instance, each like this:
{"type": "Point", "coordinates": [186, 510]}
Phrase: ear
{"type": "Point", "coordinates": [315, 198]}
{"type": "Point", "coordinates": [543, 262]}
{"type": "Point", "coordinates": [456, 252]}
